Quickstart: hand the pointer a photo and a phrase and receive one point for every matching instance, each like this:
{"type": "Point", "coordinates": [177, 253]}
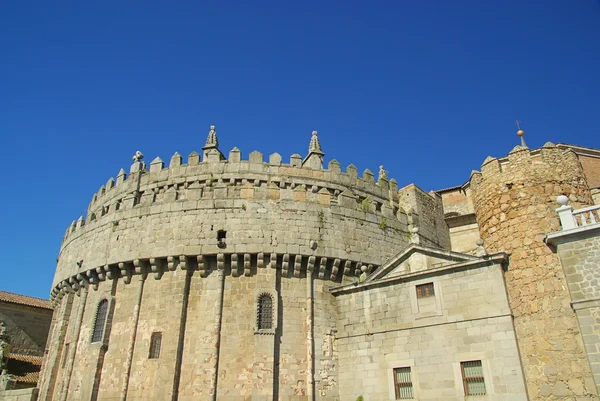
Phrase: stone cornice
{"type": "Point", "coordinates": [326, 268]}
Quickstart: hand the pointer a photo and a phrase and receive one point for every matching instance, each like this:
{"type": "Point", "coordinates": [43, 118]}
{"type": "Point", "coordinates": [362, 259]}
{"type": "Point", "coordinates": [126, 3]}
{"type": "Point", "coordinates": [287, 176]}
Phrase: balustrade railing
{"type": "Point", "coordinates": [570, 218]}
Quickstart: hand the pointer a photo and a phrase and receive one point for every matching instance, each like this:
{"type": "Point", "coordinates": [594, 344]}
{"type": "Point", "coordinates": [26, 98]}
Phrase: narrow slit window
{"type": "Point", "coordinates": [155, 343]}
{"type": "Point", "coordinates": [425, 290]}
{"type": "Point", "coordinates": [265, 312]}
{"type": "Point", "coordinates": [403, 383]}
{"type": "Point", "coordinates": [100, 321]}
{"type": "Point", "coordinates": [65, 356]}
{"type": "Point", "coordinates": [473, 381]}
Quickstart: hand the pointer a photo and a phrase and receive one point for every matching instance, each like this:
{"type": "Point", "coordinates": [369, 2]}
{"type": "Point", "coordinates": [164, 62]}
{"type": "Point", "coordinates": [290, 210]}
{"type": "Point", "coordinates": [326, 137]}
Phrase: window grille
{"type": "Point", "coordinates": [403, 383]}
{"type": "Point", "coordinates": [101, 313]}
{"type": "Point", "coordinates": [155, 343]}
{"type": "Point", "coordinates": [425, 290]}
{"type": "Point", "coordinates": [472, 373]}
{"type": "Point", "coordinates": [265, 312]}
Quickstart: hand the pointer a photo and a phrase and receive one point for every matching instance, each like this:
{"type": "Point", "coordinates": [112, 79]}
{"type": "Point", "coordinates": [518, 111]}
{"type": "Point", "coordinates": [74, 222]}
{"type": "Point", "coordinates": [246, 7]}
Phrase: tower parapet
{"type": "Point", "coordinates": [514, 199]}
{"type": "Point", "coordinates": [158, 211]}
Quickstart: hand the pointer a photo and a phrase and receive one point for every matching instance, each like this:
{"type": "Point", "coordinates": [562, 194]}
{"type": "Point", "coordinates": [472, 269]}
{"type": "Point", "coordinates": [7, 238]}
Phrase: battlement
{"type": "Point", "coordinates": [261, 205]}
{"type": "Point", "coordinates": [529, 164]}
{"type": "Point", "coordinates": [215, 177]}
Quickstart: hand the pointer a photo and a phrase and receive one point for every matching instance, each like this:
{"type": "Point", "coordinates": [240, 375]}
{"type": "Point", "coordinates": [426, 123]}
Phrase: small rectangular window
{"type": "Point", "coordinates": [66, 355]}
{"type": "Point", "coordinates": [403, 383]}
{"type": "Point", "coordinates": [425, 290]}
{"type": "Point", "coordinates": [155, 343]}
{"type": "Point", "coordinates": [472, 373]}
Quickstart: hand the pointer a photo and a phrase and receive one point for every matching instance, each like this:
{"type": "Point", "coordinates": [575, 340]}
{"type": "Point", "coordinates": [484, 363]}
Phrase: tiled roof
{"type": "Point", "coordinates": [35, 360]}
{"type": "Point", "coordinates": [24, 300]}
{"type": "Point", "coordinates": [24, 368]}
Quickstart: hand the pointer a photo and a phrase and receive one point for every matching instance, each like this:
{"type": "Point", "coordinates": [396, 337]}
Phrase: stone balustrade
{"type": "Point", "coordinates": [570, 218]}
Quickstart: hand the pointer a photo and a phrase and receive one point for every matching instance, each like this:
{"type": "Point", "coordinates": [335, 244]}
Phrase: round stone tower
{"type": "Point", "coordinates": [515, 200]}
{"type": "Point", "coordinates": [211, 278]}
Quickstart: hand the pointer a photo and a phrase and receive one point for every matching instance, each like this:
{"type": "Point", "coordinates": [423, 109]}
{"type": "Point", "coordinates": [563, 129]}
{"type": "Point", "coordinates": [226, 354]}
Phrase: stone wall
{"type": "Point", "coordinates": [425, 211]}
{"type": "Point", "coordinates": [152, 244]}
{"type": "Point", "coordinates": [383, 327]}
{"type": "Point", "coordinates": [514, 201]}
{"type": "Point", "coordinates": [24, 394]}
{"type": "Point", "coordinates": [263, 207]}
{"type": "Point", "coordinates": [591, 168]}
{"type": "Point", "coordinates": [250, 363]}
{"type": "Point", "coordinates": [456, 202]}
{"type": "Point", "coordinates": [27, 327]}
{"type": "Point", "coordinates": [578, 252]}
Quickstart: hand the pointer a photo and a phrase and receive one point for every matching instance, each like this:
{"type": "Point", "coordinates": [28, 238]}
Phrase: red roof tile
{"type": "Point", "coordinates": [24, 300]}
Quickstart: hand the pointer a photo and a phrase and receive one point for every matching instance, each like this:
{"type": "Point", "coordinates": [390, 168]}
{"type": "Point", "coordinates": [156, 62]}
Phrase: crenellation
{"type": "Point", "coordinates": [156, 165]}
{"type": "Point", "coordinates": [275, 159]}
{"type": "Point", "coordinates": [255, 157]}
{"type": "Point", "coordinates": [368, 177]}
{"type": "Point", "coordinates": [193, 159]}
{"type": "Point", "coordinates": [121, 177]}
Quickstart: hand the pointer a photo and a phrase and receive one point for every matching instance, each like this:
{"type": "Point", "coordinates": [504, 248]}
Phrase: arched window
{"type": "Point", "coordinates": [100, 321]}
{"type": "Point", "coordinates": [265, 312]}
{"type": "Point", "coordinates": [155, 343]}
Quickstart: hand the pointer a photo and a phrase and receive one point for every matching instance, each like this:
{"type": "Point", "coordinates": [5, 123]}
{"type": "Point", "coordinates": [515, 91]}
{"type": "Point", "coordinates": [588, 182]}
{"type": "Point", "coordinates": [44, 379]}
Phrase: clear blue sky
{"type": "Point", "coordinates": [426, 88]}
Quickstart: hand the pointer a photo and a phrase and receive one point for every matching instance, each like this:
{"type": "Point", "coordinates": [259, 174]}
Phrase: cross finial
{"type": "Point", "coordinates": [138, 156]}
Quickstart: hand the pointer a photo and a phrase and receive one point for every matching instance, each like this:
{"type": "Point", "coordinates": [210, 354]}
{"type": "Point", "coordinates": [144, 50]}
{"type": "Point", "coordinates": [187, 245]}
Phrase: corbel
{"type": "Point", "coordinates": [201, 265]}
{"type": "Point", "coordinates": [157, 267]}
{"type": "Point", "coordinates": [335, 269]}
{"type": "Point", "coordinates": [347, 268]}
{"type": "Point", "coordinates": [125, 270]}
{"type": "Point", "coordinates": [322, 268]}
{"type": "Point", "coordinates": [234, 265]}
{"type": "Point", "coordinates": [273, 262]}
{"type": "Point", "coordinates": [247, 265]}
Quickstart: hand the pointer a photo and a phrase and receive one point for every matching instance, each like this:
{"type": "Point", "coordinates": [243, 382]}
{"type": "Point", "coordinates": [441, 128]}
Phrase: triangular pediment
{"type": "Point", "coordinates": [418, 258]}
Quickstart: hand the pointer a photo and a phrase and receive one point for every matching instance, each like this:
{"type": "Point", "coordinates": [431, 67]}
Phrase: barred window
{"type": "Point", "coordinates": [265, 312]}
{"type": "Point", "coordinates": [100, 321]}
{"type": "Point", "coordinates": [472, 373]}
{"type": "Point", "coordinates": [403, 383]}
{"type": "Point", "coordinates": [155, 343]}
{"type": "Point", "coordinates": [425, 290]}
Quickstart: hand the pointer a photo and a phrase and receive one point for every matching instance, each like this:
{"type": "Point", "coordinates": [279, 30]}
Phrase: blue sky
{"type": "Point", "coordinates": [426, 88]}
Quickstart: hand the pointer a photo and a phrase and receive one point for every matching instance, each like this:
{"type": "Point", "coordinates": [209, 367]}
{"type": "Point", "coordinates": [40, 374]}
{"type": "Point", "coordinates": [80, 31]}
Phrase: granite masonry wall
{"type": "Point", "coordinates": [579, 252]}
{"type": "Point", "coordinates": [514, 201]}
{"type": "Point", "coordinates": [185, 251]}
{"type": "Point", "coordinates": [27, 327]}
{"type": "Point", "coordinates": [382, 326]}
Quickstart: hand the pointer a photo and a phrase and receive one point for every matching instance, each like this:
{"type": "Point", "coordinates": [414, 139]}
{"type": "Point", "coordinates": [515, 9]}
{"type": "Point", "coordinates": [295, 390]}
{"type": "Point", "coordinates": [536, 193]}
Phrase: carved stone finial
{"type": "Point", "coordinates": [315, 145]}
{"type": "Point", "coordinates": [212, 140]}
{"type": "Point", "coordinates": [314, 159]}
{"type": "Point", "coordinates": [138, 156]}
{"type": "Point", "coordinates": [382, 174]}
{"type": "Point", "coordinates": [212, 143]}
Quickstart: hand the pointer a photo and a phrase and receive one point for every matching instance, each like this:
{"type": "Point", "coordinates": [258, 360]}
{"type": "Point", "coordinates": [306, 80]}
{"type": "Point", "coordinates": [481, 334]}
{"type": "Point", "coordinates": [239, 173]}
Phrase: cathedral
{"type": "Point", "coordinates": [257, 278]}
